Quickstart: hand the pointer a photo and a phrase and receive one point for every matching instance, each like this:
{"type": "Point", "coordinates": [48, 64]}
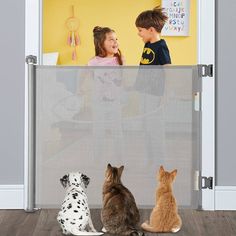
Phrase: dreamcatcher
{"type": "Point", "coordinates": [72, 24]}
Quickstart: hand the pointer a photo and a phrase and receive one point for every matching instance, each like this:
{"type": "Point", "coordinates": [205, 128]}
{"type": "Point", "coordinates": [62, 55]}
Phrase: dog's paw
{"type": "Point", "coordinates": [104, 230]}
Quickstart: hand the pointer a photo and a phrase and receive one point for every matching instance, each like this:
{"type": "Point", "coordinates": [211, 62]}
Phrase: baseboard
{"type": "Point", "coordinates": [11, 196]}
{"type": "Point", "coordinates": [225, 198]}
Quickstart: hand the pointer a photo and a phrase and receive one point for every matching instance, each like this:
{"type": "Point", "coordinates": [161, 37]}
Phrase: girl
{"type": "Point", "coordinates": [107, 51]}
{"type": "Point", "coordinates": [107, 87]}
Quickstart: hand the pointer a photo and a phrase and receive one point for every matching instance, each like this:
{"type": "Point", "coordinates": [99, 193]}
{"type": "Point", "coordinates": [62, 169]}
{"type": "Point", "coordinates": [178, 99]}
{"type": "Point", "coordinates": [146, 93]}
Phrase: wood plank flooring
{"type": "Point", "coordinates": [43, 223]}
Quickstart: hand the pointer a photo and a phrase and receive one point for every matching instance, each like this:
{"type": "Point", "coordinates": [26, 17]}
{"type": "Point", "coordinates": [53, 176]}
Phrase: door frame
{"type": "Point", "coordinates": [206, 55]}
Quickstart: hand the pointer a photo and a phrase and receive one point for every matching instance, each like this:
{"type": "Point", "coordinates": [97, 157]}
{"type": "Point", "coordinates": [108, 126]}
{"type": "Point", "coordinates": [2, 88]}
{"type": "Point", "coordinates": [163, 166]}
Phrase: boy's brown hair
{"type": "Point", "coordinates": [155, 18]}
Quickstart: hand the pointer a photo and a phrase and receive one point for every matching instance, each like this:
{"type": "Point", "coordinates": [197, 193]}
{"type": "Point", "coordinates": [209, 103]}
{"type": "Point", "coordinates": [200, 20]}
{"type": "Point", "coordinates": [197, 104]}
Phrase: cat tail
{"type": "Point", "coordinates": [75, 231]}
{"type": "Point", "coordinates": [151, 229]}
{"type": "Point", "coordinates": [177, 226]}
{"type": "Point", "coordinates": [148, 228]}
{"type": "Point", "coordinates": [134, 232]}
{"type": "Point", "coordinates": [137, 233]}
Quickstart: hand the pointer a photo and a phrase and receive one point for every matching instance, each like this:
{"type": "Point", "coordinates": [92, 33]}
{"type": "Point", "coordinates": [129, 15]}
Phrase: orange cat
{"type": "Point", "coordinates": [164, 216]}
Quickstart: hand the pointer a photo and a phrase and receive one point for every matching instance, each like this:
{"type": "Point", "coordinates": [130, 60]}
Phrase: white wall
{"type": "Point", "coordinates": [225, 90]}
{"type": "Point", "coordinates": [12, 59]}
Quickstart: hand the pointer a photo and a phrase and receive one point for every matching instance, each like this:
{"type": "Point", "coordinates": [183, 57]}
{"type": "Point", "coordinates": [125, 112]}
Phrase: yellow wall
{"type": "Point", "coordinates": [119, 15]}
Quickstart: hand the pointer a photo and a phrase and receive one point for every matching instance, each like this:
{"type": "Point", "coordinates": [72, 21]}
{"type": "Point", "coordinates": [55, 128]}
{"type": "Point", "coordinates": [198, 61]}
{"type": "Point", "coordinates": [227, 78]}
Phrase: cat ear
{"type": "Point", "coordinates": [161, 169]}
{"type": "Point", "coordinates": [173, 173]}
{"type": "Point", "coordinates": [109, 166]}
{"type": "Point", "coordinates": [121, 170]}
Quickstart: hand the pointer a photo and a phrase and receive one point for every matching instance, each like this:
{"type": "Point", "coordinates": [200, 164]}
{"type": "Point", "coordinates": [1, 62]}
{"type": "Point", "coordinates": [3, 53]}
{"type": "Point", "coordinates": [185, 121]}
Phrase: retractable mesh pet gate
{"type": "Point", "coordinates": [139, 117]}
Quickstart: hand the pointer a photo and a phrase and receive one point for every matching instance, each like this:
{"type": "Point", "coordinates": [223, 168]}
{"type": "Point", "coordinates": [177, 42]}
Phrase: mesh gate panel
{"type": "Point", "coordinates": [138, 117]}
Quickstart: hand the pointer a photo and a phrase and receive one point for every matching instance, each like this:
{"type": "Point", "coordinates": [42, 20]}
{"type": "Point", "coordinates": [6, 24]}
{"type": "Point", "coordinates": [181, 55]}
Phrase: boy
{"type": "Point", "coordinates": [151, 82]}
{"type": "Point", "coordinates": [150, 24]}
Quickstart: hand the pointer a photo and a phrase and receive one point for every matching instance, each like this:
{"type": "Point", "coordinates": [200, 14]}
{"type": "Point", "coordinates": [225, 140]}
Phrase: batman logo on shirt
{"type": "Point", "coordinates": [148, 56]}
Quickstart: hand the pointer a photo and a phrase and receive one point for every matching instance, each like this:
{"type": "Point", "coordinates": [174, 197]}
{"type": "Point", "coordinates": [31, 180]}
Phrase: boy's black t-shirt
{"type": "Point", "coordinates": [148, 81]}
{"type": "Point", "coordinates": [155, 54]}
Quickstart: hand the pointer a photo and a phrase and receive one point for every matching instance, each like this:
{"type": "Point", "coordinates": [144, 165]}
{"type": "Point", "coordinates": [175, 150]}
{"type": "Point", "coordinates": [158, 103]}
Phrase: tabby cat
{"type": "Point", "coordinates": [119, 214]}
{"type": "Point", "coordinates": [164, 216]}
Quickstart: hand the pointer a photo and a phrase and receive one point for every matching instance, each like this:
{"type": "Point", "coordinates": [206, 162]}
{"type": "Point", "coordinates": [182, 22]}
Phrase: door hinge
{"type": "Point", "coordinates": [205, 70]}
{"type": "Point", "coordinates": [206, 182]}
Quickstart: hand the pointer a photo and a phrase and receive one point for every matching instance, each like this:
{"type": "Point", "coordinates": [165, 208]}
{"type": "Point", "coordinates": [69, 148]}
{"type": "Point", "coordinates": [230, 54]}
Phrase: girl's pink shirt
{"type": "Point", "coordinates": [103, 61]}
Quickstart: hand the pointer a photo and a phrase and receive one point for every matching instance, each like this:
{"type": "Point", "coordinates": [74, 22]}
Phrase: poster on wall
{"type": "Point", "coordinates": [178, 17]}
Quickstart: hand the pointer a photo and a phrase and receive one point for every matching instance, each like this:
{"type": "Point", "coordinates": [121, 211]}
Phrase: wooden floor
{"type": "Point", "coordinates": [43, 223]}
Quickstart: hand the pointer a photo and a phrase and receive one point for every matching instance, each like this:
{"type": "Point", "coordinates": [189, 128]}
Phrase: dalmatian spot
{"type": "Point", "coordinates": [69, 206]}
{"type": "Point", "coordinates": [75, 211]}
{"type": "Point", "coordinates": [75, 195]}
{"type": "Point", "coordinates": [81, 218]}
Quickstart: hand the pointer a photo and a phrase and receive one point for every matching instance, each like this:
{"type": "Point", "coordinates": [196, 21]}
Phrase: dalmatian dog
{"type": "Point", "coordinates": [74, 216]}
